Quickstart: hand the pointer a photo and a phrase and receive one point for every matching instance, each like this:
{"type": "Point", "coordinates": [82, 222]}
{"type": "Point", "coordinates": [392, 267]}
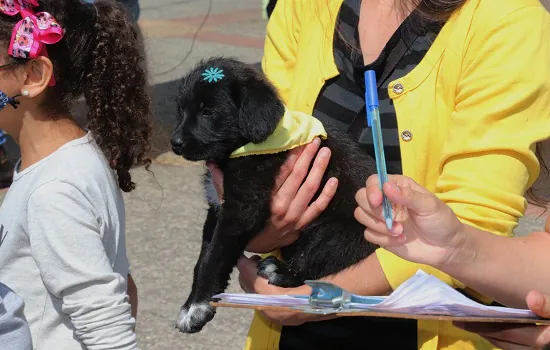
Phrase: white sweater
{"type": "Point", "coordinates": [14, 330]}
{"type": "Point", "coordinates": [63, 251]}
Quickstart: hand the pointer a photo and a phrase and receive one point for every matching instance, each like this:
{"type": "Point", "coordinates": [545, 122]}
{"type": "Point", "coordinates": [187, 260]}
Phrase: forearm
{"type": "Point", "coordinates": [363, 278]}
{"type": "Point", "coordinates": [502, 268]}
{"type": "Point", "coordinates": [103, 322]}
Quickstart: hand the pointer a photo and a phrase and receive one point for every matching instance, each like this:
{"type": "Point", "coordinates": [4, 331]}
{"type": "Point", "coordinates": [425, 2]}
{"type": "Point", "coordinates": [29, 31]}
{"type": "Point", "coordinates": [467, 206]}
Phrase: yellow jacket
{"type": "Point", "coordinates": [469, 114]}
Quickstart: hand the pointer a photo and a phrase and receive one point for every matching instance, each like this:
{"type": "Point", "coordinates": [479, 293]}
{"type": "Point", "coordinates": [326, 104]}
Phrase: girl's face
{"type": "Point", "coordinates": [11, 81]}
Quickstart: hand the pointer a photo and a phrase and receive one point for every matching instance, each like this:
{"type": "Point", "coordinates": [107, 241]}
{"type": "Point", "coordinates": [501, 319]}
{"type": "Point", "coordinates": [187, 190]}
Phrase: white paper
{"type": "Point", "coordinates": [422, 294]}
{"type": "Point", "coordinates": [265, 300]}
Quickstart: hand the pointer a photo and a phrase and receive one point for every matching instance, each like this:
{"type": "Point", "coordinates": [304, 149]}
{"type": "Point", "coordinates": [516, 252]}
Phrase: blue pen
{"type": "Point", "coordinates": [373, 121]}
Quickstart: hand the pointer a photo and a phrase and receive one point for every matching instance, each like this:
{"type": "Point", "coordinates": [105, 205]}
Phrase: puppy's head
{"type": "Point", "coordinates": [223, 104]}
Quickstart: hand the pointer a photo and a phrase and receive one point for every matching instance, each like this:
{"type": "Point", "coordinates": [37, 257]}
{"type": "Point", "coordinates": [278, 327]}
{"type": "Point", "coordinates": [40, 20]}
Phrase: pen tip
{"type": "Point", "coordinates": [389, 223]}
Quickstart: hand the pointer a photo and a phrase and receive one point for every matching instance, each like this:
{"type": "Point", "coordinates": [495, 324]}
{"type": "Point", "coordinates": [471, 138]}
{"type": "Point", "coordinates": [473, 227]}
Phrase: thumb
{"type": "Point", "coordinates": [245, 264]}
{"type": "Point", "coordinates": [418, 202]}
{"type": "Point", "coordinates": [539, 303]}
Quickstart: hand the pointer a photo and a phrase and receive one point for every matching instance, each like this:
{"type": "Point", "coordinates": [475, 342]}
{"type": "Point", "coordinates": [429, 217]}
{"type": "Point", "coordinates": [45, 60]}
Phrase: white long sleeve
{"type": "Point", "coordinates": [14, 330]}
{"type": "Point", "coordinates": [66, 243]}
{"type": "Point", "coordinates": [63, 251]}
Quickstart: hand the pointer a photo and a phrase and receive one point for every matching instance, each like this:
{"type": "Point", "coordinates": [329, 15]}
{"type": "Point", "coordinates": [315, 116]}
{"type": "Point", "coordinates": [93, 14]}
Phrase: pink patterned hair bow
{"type": "Point", "coordinates": [31, 34]}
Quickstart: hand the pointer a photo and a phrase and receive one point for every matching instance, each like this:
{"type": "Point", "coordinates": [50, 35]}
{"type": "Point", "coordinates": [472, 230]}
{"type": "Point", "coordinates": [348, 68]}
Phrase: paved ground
{"type": "Point", "coordinates": [165, 213]}
{"type": "Point", "coordinates": [164, 232]}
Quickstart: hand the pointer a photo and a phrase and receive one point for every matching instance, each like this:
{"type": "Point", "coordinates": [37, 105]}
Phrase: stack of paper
{"type": "Point", "coordinates": [426, 294]}
{"type": "Point", "coordinates": [265, 300]}
{"type": "Point", "coordinates": [422, 294]}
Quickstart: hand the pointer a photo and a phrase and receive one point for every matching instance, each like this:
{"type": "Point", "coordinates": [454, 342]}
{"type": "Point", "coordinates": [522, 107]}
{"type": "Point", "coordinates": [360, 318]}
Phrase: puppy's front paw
{"type": "Point", "coordinates": [193, 317]}
{"type": "Point", "coordinates": [278, 273]}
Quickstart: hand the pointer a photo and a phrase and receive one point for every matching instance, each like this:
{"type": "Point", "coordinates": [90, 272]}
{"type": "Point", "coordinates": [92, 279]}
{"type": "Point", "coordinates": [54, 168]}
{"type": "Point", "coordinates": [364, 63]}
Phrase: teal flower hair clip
{"type": "Point", "coordinates": [213, 74]}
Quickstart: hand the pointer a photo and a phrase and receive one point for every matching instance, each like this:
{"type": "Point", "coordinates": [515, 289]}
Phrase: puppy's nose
{"type": "Point", "coordinates": [177, 142]}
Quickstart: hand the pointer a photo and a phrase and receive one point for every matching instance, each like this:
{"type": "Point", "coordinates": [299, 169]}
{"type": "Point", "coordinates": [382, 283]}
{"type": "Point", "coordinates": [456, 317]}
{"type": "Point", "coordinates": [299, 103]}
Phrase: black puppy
{"type": "Point", "coordinates": [221, 111]}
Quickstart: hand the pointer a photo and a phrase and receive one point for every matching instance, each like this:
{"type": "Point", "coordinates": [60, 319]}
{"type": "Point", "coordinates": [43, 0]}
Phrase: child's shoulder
{"type": "Point", "coordinates": [80, 164]}
{"type": "Point", "coordinates": [82, 156]}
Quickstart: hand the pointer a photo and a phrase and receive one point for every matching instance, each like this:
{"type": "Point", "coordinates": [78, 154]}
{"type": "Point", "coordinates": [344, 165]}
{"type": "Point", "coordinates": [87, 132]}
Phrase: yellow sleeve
{"type": "Point", "coordinates": [281, 45]}
{"type": "Point", "coordinates": [502, 110]}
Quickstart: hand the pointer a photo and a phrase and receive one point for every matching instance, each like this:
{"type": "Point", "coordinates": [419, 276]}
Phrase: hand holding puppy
{"type": "Point", "coordinates": [251, 283]}
{"type": "Point", "coordinates": [290, 206]}
{"type": "Point", "coordinates": [425, 230]}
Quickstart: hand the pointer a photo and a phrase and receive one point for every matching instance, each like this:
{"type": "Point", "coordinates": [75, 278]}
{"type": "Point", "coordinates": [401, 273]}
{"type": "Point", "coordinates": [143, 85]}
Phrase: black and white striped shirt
{"type": "Point", "coordinates": [342, 100]}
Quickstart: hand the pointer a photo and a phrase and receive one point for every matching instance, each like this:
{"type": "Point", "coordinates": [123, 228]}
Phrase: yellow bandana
{"type": "Point", "coordinates": [294, 129]}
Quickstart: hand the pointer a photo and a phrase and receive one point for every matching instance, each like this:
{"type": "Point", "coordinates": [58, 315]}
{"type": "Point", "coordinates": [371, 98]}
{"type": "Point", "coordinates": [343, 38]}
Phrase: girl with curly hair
{"type": "Point", "coordinates": [62, 223]}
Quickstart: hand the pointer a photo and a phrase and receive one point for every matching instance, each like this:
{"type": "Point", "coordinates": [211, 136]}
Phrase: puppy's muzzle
{"type": "Point", "coordinates": [177, 144]}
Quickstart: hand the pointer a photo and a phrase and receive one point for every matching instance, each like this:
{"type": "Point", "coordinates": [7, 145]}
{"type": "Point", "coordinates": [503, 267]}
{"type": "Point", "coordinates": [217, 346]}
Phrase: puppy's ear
{"type": "Point", "coordinates": [260, 110]}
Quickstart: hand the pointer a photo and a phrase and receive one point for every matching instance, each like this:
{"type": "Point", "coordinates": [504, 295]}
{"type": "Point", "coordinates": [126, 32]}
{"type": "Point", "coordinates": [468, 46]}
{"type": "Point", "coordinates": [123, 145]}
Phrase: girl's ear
{"type": "Point", "coordinates": [39, 72]}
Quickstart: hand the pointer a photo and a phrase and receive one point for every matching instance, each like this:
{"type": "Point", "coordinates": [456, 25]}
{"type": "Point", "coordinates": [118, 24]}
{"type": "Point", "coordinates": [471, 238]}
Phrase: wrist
{"type": "Point", "coordinates": [462, 252]}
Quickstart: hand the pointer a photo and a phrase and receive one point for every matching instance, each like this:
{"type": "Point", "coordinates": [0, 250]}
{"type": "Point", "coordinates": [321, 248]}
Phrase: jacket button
{"type": "Point", "coordinates": [406, 135]}
{"type": "Point", "coordinates": [398, 88]}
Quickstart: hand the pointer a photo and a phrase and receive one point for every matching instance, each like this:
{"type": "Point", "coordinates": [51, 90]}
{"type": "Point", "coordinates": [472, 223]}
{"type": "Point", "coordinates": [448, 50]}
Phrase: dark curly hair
{"type": "Point", "coordinates": [100, 57]}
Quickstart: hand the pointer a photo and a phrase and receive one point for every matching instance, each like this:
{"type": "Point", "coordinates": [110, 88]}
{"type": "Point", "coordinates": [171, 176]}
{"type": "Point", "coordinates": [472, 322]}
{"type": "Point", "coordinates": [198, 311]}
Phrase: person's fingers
{"type": "Point", "coordinates": [533, 336]}
{"type": "Point", "coordinates": [488, 328]}
{"type": "Point", "coordinates": [320, 204]}
{"type": "Point", "coordinates": [373, 181]}
{"type": "Point", "coordinates": [544, 338]}
{"type": "Point", "coordinates": [405, 181]}
{"type": "Point", "coordinates": [522, 335]}
{"type": "Point", "coordinates": [539, 303]}
{"type": "Point", "coordinates": [287, 191]}
{"type": "Point", "coordinates": [420, 203]}
{"type": "Point", "coordinates": [248, 273]}
{"type": "Point", "coordinates": [365, 198]}
{"type": "Point", "coordinates": [287, 167]}
{"type": "Point", "coordinates": [310, 186]}
{"type": "Point", "coordinates": [374, 196]}
{"type": "Point", "coordinates": [384, 240]}
{"type": "Point", "coordinates": [503, 345]}
{"type": "Point", "coordinates": [247, 265]}
{"type": "Point", "coordinates": [374, 223]}
{"type": "Point", "coordinates": [242, 285]}
{"type": "Point", "coordinates": [283, 318]}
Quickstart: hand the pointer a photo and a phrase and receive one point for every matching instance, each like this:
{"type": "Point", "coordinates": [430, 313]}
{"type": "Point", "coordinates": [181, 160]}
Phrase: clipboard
{"type": "Point", "coordinates": [353, 313]}
{"type": "Point", "coordinates": [422, 297]}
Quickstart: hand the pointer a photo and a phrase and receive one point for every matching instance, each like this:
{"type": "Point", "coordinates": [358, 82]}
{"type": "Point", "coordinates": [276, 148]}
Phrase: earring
{"type": "Point", "coordinates": [25, 93]}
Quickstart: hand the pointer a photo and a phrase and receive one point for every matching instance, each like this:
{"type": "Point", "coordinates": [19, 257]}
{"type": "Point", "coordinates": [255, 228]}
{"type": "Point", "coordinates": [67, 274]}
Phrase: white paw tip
{"type": "Point", "coordinates": [196, 316]}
